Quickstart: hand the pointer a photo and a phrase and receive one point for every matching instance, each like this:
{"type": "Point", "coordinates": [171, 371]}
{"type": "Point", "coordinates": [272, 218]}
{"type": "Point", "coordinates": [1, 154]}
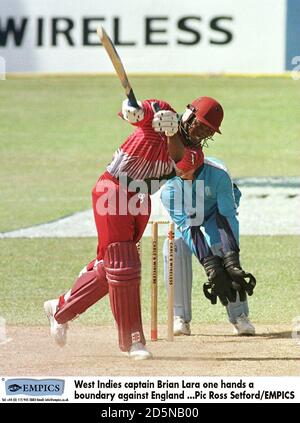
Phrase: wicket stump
{"type": "Point", "coordinates": [154, 280]}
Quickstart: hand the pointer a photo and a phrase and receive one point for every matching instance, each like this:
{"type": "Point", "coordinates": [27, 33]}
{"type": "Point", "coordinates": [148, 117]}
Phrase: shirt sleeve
{"type": "Point", "coordinates": [226, 204]}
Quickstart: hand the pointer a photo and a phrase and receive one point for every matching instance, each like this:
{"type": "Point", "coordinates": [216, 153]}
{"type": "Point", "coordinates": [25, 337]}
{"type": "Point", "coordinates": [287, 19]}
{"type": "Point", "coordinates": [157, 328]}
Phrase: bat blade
{"type": "Point", "coordinates": [117, 64]}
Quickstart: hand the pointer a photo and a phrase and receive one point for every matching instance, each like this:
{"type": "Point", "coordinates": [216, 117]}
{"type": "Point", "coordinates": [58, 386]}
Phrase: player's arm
{"type": "Point", "coordinates": [227, 209]}
{"type": "Point", "coordinates": [166, 121]}
{"type": "Point", "coordinates": [228, 226]}
{"type": "Point", "coordinates": [176, 148]}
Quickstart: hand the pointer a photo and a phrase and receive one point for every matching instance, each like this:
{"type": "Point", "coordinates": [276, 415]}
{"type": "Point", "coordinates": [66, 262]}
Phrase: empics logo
{"type": "Point", "coordinates": [34, 387]}
{"type": "Point", "coordinates": [14, 387]}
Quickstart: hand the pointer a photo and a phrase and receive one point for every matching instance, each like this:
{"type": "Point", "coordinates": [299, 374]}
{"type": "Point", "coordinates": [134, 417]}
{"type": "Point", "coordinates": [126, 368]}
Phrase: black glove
{"type": "Point", "coordinates": [219, 283]}
{"type": "Point", "coordinates": [239, 277]}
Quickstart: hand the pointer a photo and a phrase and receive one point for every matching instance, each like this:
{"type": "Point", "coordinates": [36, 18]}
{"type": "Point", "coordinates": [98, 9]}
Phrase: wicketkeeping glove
{"type": "Point", "coordinates": [219, 283]}
{"type": "Point", "coordinates": [239, 277]}
{"type": "Point", "coordinates": [166, 121]}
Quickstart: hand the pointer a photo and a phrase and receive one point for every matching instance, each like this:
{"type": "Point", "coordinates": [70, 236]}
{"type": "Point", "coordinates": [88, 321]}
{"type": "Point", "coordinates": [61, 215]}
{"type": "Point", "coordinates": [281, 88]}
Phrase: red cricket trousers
{"type": "Point", "coordinates": [120, 216]}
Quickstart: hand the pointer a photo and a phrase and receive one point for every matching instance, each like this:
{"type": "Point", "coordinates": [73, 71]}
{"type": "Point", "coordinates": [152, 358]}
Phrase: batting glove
{"type": "Point", "coordinates": [166, 121]}
{"type": "Point", "coordinates": [132, 114]}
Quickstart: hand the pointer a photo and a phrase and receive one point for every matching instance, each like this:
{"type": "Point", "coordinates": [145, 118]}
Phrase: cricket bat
{"type": "Point", "coordinates": [118, 65]}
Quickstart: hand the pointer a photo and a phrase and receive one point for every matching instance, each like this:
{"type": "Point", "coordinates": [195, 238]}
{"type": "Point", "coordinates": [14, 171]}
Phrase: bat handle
{"type": "Point", "coordinates": [132, 101]}
{"type": "Point", "coordinates": [156, 107]}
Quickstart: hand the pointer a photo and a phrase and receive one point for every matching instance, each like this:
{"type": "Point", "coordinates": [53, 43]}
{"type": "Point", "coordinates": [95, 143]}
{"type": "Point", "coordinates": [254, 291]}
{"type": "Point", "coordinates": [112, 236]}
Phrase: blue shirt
{"type": "Point", "coordinates": [215, 193]}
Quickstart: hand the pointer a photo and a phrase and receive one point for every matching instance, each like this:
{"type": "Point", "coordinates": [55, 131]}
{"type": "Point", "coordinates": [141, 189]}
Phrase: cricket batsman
{"type": "Point", "coordinates": [162, 146]}
{"type": "Point", "coordinates": [213, 237]}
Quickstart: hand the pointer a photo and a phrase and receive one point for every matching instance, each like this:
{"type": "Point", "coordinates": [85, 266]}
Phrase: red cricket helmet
{"type": "Point", "coordinates": [208, 111]}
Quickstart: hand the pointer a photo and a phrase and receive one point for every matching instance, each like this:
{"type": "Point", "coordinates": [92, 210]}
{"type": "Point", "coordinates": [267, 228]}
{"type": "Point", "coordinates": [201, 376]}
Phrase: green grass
{"type": "Point", "coordinates": [39, 269]}
{"type": "Point", "coordinates": [57, 134]}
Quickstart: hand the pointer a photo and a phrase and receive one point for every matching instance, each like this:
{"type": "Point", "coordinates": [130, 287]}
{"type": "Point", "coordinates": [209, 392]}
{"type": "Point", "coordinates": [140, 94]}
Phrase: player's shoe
{"type": "Point", "coordinates": [181, 327]}
{"type": "Point", "coordinates": [243, 326]}
{"type": "Point", "coordinates": [58, 331]}
{"type": "Point", "coordinates": [138, 351]}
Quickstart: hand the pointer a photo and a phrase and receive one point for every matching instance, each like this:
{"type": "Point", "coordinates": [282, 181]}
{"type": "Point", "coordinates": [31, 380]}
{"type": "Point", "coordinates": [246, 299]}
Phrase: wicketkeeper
{"type": "Point", "coordinates": [213, 237]}
{"type": "Point", "coordinates": [163, 144]}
